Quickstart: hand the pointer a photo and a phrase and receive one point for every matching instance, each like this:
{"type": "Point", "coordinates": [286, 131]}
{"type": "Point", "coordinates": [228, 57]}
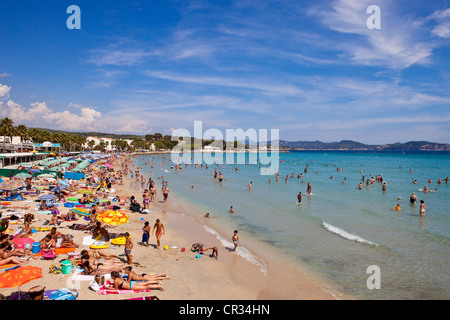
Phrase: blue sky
{"type": "Point", "coordinates": [311, 69]}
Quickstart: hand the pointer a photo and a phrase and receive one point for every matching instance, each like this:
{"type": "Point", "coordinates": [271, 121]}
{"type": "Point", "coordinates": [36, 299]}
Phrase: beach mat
{"type": "Point", "coordinates": [110, 291]}
{"type": "Point", "coordinates": [81, 212]}
{"type": "Point", "coordinates": [59, 251]}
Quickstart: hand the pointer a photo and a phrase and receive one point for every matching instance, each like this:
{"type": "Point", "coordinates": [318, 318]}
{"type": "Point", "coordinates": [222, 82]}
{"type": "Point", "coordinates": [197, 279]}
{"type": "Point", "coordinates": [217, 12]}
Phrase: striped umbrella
{"type": "Point", "coordinates": [22, 175]}
{"type": "Point", "coordinates": [11, 185]}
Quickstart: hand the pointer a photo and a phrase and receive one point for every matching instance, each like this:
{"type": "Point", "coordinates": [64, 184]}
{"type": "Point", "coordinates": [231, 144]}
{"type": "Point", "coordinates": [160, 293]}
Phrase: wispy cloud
{"type": "Point", "coordinates": [398, 44]}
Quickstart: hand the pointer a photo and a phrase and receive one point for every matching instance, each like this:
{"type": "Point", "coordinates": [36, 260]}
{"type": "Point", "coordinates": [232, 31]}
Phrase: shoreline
{"type": "Point", "coordinates": [282, 279]}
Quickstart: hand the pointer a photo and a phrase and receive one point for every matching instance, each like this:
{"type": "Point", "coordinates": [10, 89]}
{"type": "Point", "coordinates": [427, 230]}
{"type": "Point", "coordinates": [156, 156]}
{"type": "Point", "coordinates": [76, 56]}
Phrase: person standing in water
{"type": "Point", "coordinates": [235, 239]}
{"type": "Point", "coordinates": [308, 189]}
{"type": "Point", "coordinates": [422, 208]}
{"type": "Point", "coordinates": [299, 197]}
{"type": "Point", "coordinates": [413, 198]}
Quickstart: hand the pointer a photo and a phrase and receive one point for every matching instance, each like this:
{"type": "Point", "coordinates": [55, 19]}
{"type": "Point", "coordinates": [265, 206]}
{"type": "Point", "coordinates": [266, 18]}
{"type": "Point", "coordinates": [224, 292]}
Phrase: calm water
{"type": "Point", "coordinates": [339, 230]}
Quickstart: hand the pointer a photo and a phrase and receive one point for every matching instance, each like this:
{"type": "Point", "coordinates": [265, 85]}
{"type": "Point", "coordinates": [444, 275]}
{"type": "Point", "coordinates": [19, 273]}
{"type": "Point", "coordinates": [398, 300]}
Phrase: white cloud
{"type": "Point", "coordinates": [4, 92]}
{"type": "Point", "coordinates": [40, 115]}
{"type": "Point", "coordinates": [397, 45]}
{"type": "Point", "coordinates": [443, 18]}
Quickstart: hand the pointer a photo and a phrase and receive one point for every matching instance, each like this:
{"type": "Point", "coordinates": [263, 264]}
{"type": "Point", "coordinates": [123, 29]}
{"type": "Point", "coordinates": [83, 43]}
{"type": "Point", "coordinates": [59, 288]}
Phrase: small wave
{"type": "Point", "coordinates": [241, 251]}
{"type": "Point", "coordinates": [346, 235]}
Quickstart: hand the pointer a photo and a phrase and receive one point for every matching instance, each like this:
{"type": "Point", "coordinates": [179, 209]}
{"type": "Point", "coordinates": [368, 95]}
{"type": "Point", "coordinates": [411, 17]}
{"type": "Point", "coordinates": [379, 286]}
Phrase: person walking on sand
{"type": "Point", "coordinates": [159, 227]}
{"type": "Point", "coordinates": [235, 239]}
{"type": "Point", "coordinates": [128, 247]}
{"type": "Point", "coordinates": [146, 233]}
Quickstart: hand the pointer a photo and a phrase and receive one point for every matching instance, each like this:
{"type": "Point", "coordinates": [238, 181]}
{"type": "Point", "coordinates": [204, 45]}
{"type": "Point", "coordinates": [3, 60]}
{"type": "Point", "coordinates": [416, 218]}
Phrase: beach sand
{"type": "Point", "coordinates": [230, 277]}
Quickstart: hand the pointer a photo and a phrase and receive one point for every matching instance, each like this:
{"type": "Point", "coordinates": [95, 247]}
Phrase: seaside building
{"type": "Point", "coordinates": [108, 143]}
{"type": "Point", "coordinates": [15, 144]}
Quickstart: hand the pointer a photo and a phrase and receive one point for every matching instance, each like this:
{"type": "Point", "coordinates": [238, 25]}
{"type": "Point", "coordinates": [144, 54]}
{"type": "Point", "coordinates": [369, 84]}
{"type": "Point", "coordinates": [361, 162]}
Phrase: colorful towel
{"type": "Point", "coordinates": [81, 212]}
{"type": "Point", "coordinates": [60, 251]}
{"type": "Point", "coordinates": [110, 291]}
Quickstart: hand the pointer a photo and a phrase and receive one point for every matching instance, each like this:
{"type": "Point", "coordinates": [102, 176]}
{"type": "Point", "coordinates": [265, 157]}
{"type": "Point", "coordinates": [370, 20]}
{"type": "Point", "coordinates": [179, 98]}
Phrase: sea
{"type": "Point", "coordinates": [349, 237]}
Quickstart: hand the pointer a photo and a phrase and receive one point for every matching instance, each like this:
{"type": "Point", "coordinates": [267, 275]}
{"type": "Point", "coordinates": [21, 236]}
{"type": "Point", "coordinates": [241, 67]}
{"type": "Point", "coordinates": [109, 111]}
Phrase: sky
{"type": "Point", "coordinates": [314, 70]}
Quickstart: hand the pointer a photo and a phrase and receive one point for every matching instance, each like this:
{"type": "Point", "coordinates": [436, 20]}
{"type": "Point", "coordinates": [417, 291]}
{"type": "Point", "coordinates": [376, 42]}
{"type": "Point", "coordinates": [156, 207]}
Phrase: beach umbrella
{"type": "Point", "coordinates": [35, 170]}
{"type": "Point", "coordinates": [112, 217]}
{"type": "Point", "coordinates": [47, 175]}
{"type": "Point", "coordinates": [58, 188]}
{"type": "Point", "coordinates": [63, 183]}
{"type": "Point", "coordinates": [47, 197]}
{"type": "Point", "coordinates": [15, 277]}
{"type": "Point", "coordinates": [22, 175]}
{"type": "Point", "coordinates": [11, 185]}
{"type": "Point", "coordinates": [1, 180]}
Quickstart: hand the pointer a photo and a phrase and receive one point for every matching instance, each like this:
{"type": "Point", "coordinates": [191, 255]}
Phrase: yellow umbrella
{"type": "Point", "coordinates": [112, 217]}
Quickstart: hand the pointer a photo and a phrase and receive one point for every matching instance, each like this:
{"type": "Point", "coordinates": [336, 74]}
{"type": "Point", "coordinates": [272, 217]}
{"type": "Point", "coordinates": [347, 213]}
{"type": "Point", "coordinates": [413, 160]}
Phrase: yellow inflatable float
{"type": "Point", "coordinates": [99, 245]}
{"type": "Point", "coordinates": [119, 241]}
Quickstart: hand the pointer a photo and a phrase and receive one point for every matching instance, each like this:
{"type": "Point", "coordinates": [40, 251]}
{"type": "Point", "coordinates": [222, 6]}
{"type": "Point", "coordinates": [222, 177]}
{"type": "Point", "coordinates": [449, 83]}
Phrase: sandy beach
{"type": "Point", "coordinates": [228, 278]}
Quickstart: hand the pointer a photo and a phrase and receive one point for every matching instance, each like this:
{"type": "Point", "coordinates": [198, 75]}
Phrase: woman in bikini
{"type": "Point", "coordinates": [121, 284]}
{"type": "Point", "coordinates": [146, 199]}
{"type": "Point", "coordinates": [133, 276]}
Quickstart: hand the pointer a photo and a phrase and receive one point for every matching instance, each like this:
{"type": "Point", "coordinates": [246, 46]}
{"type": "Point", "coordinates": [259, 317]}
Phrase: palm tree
{"type": "Point", "coordinates": [6, 129]}
{"type": "Point", "coordinates": [22, 131]}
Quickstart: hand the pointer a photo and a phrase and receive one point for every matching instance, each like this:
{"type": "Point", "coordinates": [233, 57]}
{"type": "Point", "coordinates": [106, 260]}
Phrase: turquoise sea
{"type": "Point", "coordinates": [339, 230]}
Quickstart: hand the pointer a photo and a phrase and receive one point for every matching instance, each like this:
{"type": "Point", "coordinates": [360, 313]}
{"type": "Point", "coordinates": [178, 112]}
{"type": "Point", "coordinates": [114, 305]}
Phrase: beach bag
{"type": "Point", "coordinates": [94, 285]}
{"type": "Point", "coordinates": [48, 254]}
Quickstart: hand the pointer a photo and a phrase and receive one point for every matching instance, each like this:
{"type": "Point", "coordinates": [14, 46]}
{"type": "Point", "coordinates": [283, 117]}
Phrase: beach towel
{"type": "Point", "coordinates": [144, 298]}
{"type": "Point", "coordinates": [81, 212]}
{"type": "Point", "coordinates": [103, 290]}
{"type": "Point", "coordinates": [59, 251]}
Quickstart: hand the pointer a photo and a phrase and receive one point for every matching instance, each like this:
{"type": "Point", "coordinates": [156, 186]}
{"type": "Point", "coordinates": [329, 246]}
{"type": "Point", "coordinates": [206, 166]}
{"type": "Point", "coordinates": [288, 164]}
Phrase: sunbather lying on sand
{"type": "Point", "coordinates": [120, 283]}
{"type": "Point", "coordinates": [133, 276]}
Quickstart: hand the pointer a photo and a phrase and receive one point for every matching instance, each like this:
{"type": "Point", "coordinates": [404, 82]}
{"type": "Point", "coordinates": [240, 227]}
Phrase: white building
{"type": "Point", "coordinates": [107, 141]}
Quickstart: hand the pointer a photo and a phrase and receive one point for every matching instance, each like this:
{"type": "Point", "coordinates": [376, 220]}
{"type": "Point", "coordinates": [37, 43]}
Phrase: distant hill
{"type": "Point", "coordinates": [95, 134]}
{"type": "Point", "coordinates": [353, 145]}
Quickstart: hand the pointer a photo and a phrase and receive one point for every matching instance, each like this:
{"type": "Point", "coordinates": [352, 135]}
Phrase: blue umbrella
{"type": "Point", "coordinates": [64, 183]}
{"type": "Point", "coordinates": [58, 188]}
{"type": "Point", "coordinates": [48, 197]}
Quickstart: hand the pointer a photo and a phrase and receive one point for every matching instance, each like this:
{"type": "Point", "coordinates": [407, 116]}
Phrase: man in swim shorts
{"type": "Point", "coordinates": [159, 227]}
